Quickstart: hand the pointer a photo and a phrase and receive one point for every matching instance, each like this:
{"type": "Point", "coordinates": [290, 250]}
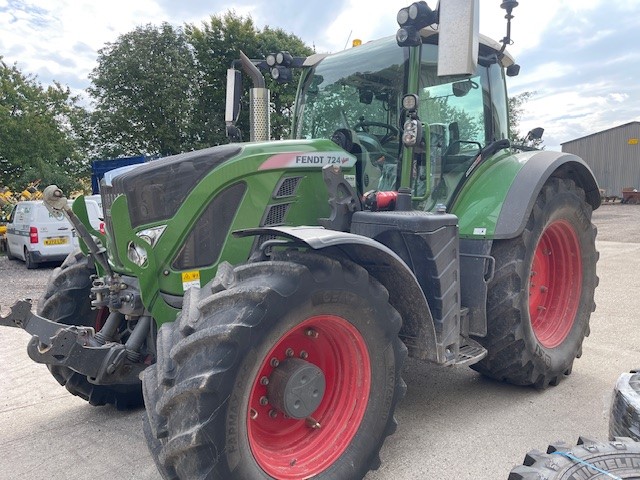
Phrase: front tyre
{"type": "Point", "coordinates": [286, 369]}
{"type": "Point", "coordinates": [541, 297]}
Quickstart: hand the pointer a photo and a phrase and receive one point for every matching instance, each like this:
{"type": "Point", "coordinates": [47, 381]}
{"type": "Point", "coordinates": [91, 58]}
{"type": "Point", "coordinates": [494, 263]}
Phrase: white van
{"type": "Point", "coordinates": [35, 235]}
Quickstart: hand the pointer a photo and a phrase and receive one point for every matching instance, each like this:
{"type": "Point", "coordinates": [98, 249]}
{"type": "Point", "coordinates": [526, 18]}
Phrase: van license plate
{"type": "Point", "coordinates": [56, 241]}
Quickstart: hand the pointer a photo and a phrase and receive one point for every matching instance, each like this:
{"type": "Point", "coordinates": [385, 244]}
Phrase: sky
{"type": "Point", "coordinates": [580, 57]}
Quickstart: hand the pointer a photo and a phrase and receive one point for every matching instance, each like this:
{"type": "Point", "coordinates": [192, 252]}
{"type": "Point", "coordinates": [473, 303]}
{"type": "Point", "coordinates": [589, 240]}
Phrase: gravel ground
{"type": "Point", "coordinates": [17, 282]}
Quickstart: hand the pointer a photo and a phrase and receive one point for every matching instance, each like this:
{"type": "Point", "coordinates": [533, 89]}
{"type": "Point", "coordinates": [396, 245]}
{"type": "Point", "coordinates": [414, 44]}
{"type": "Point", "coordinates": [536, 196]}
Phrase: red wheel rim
{"type": "Point", "coordinates": [555, 284]}
{"type": "Point", "coordinates": [287, 448]}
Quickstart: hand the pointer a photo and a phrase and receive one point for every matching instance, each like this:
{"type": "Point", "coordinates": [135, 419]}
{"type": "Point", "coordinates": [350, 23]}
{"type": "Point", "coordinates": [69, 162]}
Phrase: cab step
{"type": "Point", "coordinates": [470, 353]}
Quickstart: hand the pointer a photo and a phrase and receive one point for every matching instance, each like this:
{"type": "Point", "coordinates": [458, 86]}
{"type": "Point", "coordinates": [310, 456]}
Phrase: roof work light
{"type": "Point", "coordinates": [411, 20]}
{"type": "Point", "coordinates": [280, 65]}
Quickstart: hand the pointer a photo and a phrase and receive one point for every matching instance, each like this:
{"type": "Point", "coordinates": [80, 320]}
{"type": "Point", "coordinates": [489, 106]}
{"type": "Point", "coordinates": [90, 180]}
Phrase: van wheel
{"type": "Point", "coordinates": [29, 261]}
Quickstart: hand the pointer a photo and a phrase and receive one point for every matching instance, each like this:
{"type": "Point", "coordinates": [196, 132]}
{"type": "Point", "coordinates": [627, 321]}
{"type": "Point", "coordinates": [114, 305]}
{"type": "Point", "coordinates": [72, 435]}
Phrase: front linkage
{"type": "Point", "coordinates": [98, 356]}
{"type": "Point", "coordinates": [77, 347]}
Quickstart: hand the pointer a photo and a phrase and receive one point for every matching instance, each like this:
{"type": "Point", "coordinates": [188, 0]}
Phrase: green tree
{"type": "Point", "coordinates": [216, 44]}
{"type": "Point", "coordinates": [144, 88]}
{"type": "Point", "coordinates": [38, 132]}
{"type": "Point", "coordinates": [516, 110]}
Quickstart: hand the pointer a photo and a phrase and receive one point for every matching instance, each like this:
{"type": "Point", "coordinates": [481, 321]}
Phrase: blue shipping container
{"type": "Point", "coordinates": [100, 167]}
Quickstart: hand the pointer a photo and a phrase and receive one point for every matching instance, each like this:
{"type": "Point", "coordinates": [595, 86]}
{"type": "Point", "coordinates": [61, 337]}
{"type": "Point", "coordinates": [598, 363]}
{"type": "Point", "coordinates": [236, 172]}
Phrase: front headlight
{"type": "Point", "coordinates": [138, 254]}
{"type": "Point", "coordinates": [151, 235]}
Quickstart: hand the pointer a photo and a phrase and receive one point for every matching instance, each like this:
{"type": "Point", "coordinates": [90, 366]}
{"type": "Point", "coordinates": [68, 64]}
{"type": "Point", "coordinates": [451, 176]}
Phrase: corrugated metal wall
{"type": "Point", "coordinates": [613, 155]}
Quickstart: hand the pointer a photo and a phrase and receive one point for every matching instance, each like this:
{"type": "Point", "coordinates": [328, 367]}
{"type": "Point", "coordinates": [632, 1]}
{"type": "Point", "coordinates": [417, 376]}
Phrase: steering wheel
{"type": "Point", "coordinates": [391, 130]}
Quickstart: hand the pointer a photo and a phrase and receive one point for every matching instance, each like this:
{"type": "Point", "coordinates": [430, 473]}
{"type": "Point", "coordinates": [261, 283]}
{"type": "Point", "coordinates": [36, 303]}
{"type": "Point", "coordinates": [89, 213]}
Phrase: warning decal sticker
{"type": "Point", "coordinates": [190, 279]}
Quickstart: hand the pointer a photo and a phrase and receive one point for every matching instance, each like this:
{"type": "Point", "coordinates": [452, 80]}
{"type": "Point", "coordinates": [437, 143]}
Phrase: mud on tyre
{"type": "Point", "coordinates": [66, 300]}
{"type": "Point", "coordinates": [541, 296]}
{"type": "Point", "coordinates": [227, 398]}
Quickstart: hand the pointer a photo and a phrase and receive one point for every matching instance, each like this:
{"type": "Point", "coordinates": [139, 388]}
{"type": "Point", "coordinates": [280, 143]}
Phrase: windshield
{"type": "Point", "coordinates": [361, 90]}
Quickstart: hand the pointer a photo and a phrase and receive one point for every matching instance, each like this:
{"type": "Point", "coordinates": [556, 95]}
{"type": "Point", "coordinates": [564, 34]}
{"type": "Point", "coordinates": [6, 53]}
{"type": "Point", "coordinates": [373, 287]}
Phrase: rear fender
{"type": "Point", "coordinates": [405, 294]}
{"type": "Point", "coordinates": [495, 204]}
{"type": "Point", "coordinates": [497, 201]}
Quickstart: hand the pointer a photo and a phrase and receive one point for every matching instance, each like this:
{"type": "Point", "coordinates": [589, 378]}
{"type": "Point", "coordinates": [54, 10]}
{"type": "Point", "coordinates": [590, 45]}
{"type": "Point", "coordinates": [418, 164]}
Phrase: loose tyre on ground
{"type": "Point", "coordinates": [590, 459]}
{"type": "Point", "coordinates": [624, 419]}
{"type": "Point", "coordinates": [541, 296]}
{"type": "Point", "coordinates": [285, 369]}
{"type": "Point", "coordinates": [66, 300]}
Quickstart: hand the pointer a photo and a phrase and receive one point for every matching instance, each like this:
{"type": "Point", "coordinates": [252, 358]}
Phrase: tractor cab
{"type": "Point", "coordinates": [355, 98]}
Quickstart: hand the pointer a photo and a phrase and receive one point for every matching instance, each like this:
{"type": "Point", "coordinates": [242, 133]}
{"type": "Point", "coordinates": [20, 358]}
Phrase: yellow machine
{"type": "Point", "coordinates": [8, 199]}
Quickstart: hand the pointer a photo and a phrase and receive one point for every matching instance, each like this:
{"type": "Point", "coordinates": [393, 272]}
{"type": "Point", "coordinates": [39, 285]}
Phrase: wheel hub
{"type": "Point", "coordinates": [296, 388]}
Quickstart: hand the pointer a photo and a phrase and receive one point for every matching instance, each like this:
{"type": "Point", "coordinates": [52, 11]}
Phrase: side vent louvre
{"type": "Point", "coordinates": [287, 187]}
{"type": "Point", "coordinates": [275, 214]}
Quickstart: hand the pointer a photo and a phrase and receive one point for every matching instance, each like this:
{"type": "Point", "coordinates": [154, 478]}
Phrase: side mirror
{"type": "Point", "coordinates": [234, 91]}
{"type": "Point", "coordinates": [535, 134]}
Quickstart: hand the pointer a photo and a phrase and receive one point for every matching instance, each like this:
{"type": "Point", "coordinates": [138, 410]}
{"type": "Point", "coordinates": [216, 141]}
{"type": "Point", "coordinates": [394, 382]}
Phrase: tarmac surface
{"type": "Point", "coordinates": [453, 423]}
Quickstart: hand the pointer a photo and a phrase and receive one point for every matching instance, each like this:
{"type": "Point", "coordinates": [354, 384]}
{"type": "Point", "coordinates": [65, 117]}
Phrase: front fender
{"type": "Point", "coordinates": [497, 201]}
{"type": "Point", "coordinates": [405, 294]}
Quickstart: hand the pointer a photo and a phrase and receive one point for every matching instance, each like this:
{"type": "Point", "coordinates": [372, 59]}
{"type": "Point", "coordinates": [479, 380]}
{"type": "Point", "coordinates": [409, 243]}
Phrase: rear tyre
{"type": "Point", "coordinates": [624, 419]}
{"type": "Point", "coordinates": [588, 460]}
{"type": "Point", "coordinates": [285, 369]}
{"type": "Point", "coordinates": [541, 296]}
{"type": "Point", "coordinates": [29, 262]}
{"type": "Point", "coordinates": [66, 300]}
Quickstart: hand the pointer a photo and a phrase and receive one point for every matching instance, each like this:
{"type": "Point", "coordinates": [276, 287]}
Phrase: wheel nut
{"type": "Point", "coordinates": [304, 355]}
{"type": "Point", "coordinates": [273, 413]}
{"type": "Point", "coordinates": [264, 381]}
{"type": "Point", "coordinates": [311, 333]}
{"type": "Point", "coordinates": [312, 423]}
{"type": "Point", "coordinates": [253, 414]}
{"type": "Point", "coordinates": [274, 362]}
{"type": "Point", "coordinates": [264, 401]}
{"type": "Point", "coordinates": [544, 289]}
{"type": "Point", "coordinates": [289, 352]}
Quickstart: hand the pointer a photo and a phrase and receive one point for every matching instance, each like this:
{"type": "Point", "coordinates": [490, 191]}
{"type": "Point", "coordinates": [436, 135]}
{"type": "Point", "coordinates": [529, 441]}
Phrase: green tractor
{"type": "Point", "coordinates": [268, 293]}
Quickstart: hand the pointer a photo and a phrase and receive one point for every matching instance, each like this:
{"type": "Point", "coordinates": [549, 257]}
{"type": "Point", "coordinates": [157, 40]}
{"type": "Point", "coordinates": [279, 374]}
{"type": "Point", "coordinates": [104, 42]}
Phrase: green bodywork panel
{"type": "Point", "coordinates": [307, 204]}
{"type": "Point", "coordinates": [480, 201]}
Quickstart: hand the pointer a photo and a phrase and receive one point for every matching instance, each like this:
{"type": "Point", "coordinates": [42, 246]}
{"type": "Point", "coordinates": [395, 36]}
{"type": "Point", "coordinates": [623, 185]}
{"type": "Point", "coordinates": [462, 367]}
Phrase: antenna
{"type": "Point", "coordinates": [508, 5]}
{"type": "Point", "coordinates": [347, 42]}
